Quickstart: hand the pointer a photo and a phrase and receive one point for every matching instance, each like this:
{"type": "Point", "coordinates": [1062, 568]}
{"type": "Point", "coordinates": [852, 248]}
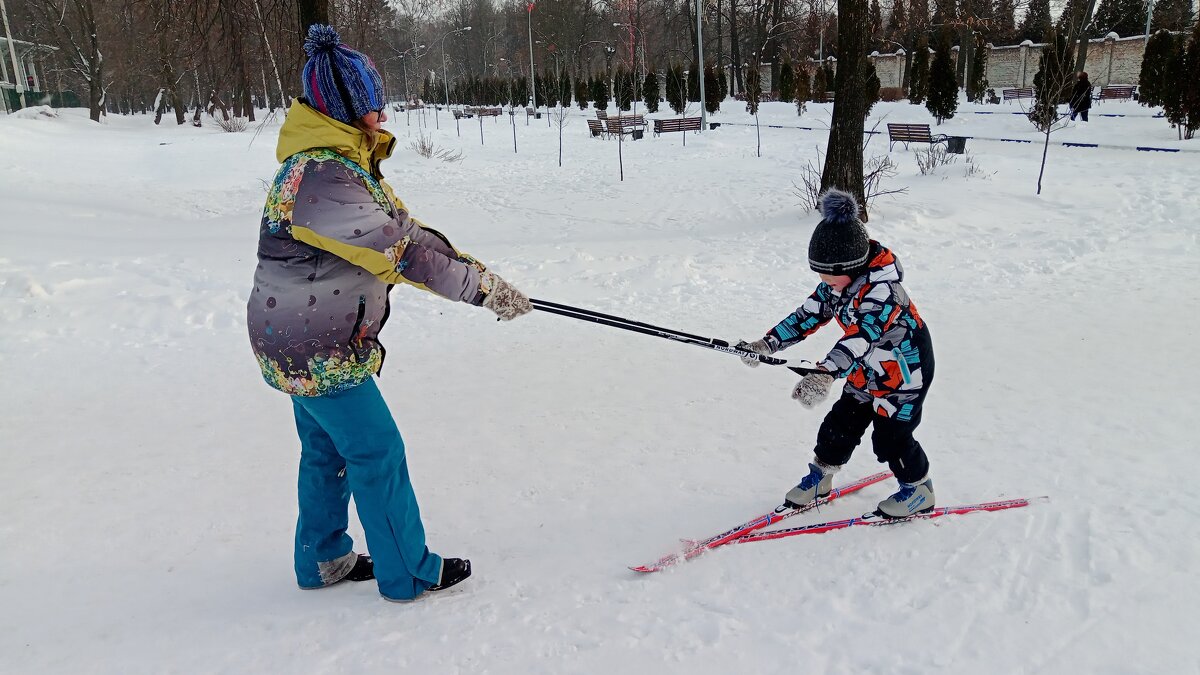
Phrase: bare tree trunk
{"type": "Point", "coordinates": [312, 11]}
{"type": "Point", "coordinates": [720, 44]}
{"type": "Point", "coordinates": [844, 157]}
{"type": "Point", "coordinates": [735, 47]}
{"type": "Point", "coordinates": [262, 26]}
{"type": "Point", "coordinates": [1081, 55]}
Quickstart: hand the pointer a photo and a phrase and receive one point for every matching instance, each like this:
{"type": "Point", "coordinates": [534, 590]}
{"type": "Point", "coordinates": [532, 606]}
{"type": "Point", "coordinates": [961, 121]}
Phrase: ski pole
{"type": "Point", "coordinates": [657, 331]}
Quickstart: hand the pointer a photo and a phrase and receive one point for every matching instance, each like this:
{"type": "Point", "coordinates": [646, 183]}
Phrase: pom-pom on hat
{"type": "Point", "coordinates": [338, 81]}
{"type": "Point", "coordinates": [840, 244]}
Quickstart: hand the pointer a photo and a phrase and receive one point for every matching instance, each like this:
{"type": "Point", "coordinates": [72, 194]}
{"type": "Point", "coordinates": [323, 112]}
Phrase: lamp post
{"type": "Point", "coordinates": [495, 66]}
{"type": "Point", "coordinates": [609, 51]}
{"type": "Point", "coordinates": [404, 70]}
{"type": "Point", "coordinates": [641, 48]}
{"type": "Point", "coordinates": [445, 82]}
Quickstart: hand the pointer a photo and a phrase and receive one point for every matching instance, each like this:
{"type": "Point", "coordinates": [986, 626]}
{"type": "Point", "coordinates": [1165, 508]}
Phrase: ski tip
{"type": "Point", "coordinates": [643, 569]}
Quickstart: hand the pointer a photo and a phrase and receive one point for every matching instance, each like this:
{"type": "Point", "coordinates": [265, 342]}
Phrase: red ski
{"type": "Point", "coordinates": [781, 512]}
{"type": "Point", "coordinates": [875, 519]}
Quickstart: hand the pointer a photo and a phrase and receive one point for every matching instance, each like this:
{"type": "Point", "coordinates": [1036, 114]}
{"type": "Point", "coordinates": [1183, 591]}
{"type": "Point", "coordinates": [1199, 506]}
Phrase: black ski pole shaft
{"type": "Point", "coordinates": [646, 329]}
{"type": "Point", "coordinates": [631, 322]}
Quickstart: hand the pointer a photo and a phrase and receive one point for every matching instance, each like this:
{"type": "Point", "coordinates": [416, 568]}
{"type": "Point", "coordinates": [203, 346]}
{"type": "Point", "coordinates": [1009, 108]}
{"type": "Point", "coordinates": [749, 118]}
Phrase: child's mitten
{"type": "Point", "coordinates": [812, 389]}
{"type": "Point", "coordinates": [758, 347]}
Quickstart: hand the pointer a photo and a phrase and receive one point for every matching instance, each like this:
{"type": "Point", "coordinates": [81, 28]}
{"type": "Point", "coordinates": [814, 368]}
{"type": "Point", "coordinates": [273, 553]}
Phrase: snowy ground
{"type": "Point", "coordinates": [149, 478]}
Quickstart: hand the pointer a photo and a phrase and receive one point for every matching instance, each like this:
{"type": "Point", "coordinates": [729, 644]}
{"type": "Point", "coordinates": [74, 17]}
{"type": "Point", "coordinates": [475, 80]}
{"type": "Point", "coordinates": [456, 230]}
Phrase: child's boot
{"type": "Point", "coordinates": [818, 483]}
{"type": "Point", "coordinates": [910, 499]}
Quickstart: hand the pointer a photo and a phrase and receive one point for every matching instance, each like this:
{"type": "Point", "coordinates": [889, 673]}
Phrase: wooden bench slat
{"type": "Point", "coordinates": [677, 124]}
{"type": "Point", "coordinates": [1017, 93]}
{"type": "Point", "coordinates": [1115, 92]}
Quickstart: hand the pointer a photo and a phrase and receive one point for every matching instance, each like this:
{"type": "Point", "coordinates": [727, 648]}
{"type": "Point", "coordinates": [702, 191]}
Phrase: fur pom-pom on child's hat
{"type": "Point", "coordinates": [840, 244]}
{"type": "Point", "coordinates": [338, 81]}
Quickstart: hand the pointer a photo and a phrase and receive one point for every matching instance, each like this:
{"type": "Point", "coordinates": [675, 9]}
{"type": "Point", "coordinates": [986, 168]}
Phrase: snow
{"type": "Point", "coordinates": [149, 480]}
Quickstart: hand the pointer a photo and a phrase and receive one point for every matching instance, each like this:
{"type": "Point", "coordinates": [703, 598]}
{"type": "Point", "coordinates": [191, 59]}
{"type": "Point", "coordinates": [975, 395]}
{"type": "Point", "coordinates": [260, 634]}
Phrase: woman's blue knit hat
{"type": "Point", "coordinates": [338, 81]}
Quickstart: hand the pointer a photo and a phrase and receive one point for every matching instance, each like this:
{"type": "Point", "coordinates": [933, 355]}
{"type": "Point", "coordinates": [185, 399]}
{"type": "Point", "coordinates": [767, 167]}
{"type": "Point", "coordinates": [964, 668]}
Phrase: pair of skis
{"type": "Point", "coordinates": [749, 531]}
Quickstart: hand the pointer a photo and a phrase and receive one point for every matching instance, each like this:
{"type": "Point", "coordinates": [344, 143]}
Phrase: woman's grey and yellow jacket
{"type": "Point", "coordinates": [333, 241]}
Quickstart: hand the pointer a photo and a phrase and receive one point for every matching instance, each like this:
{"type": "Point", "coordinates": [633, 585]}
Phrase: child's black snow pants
{"type": "Point", "coordinates": [892, 439]}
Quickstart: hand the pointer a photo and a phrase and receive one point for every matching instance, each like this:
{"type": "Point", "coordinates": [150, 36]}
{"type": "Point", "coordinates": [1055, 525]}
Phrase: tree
{"type": "Point", "coordinates": [977, 83]}
{"type": "Point", "coordinates": [1153, 86]}
{"type": "Point", "coordinates": [310, 12]}
{"type": "Point", "coordinates": [896, 24]}
{"type": "Point", "coordinates": [650, 91]}
{"type": "Point", "coordinates": [693, 84]}
{"type": "Point", "coordinates": [844, 154]}
{"type": "Point", "coordinates": [1004, 28]}
{"type": "Point", "coordinates": [1188, 69]}
{"type": "Point", "coordinates": [820, 85]}
{"type": "Point", "coordinates": [943, 85]}
{"type": "Point", "coordinates": [871, 85]}
{"type": "Point", "coordinates": [1036, 21]}
{"type": "Point", "coordinates": [676, 89]}
{"type": "Point", "coordinates": [547, 94]}
{"type": "Point", "coordinates": [600, 96]}
{"type": "Point", "coordinates": [918, 79]}
{"type": "Point", "coordinates": [73, 25]}
{"type": "Point", "coordinates": [583, 93]}
{"type": "Point", "coordinates": [712, 89]}
{"type": "Point", "coordinates": [803, 90]}
{"type": "Point", "coordinates": [876, 19]}
{"type": "Point", "coordinates": [787, 82]}
{"type": "Point", "coordinates": [1174, 15]}
{"type": "Point", "coordinates": [1174, 97]}
{"type": "Point", "coordinates": [564, 89]}
{"type": "Point", "coordinates": [623, 88]}
{"type": "Point", "coordinates": [1052, 86]}
{"type": "Point", "coordinates": [1123, 17]}
{"type": "Point", "coordinates": [753, 80]}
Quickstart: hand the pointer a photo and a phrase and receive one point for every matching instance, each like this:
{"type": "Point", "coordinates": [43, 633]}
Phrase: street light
{"type": "Point", "coordinates": [404, 70]}
{"type": "Point", "coordinates": [446, 83]}
{"type": "Point", "coordinates": [642, 47]}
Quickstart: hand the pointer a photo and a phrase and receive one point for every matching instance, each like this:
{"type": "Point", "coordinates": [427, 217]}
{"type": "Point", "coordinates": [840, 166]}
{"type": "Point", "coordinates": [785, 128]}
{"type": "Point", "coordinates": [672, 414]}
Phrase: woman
{"type": "Point", "coordinates": [1081, 97]}
{"type": "Point", "coordinates": [332, 242]}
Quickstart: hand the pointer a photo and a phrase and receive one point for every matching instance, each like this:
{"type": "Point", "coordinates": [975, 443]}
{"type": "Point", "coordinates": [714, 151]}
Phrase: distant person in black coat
{"type": "Point", "coordinates": [1081, 97]}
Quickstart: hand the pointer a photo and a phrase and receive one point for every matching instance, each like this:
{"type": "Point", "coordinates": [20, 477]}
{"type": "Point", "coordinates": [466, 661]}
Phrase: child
{"type": "Point", "coordinates": [885, 354]}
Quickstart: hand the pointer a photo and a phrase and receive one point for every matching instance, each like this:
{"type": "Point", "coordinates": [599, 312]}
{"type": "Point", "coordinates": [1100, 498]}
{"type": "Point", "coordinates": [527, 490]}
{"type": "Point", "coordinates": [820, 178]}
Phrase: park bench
{"type": "Point", "coordinates": [625, 124]}
{"type": "Point", "coordinates": [911, 133]}
{"type": "Point", "coordinates": [676, 124]}
{"type": "Point", "coordinates": [596, 127]}
{"type": "Point", "coordinates": [1017, 93]}
{"type": "Point", "coordinates": [459, 114]}
{"type": "Point", "coordinates": [601, 114]}
{"type": "Point", "coordinates": [1116, 93]}
{"type": "Point", "coordinates": [482, 111]}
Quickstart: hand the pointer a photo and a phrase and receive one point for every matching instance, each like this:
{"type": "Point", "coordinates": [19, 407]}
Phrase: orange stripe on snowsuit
{"type": "Point", "coordinates": [894, 375]}
{"type": "Point", "coordinates": [912, 309]}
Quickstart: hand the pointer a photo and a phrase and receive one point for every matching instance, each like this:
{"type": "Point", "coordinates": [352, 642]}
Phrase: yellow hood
{"type": "Point", "coordinates": [307, 129]}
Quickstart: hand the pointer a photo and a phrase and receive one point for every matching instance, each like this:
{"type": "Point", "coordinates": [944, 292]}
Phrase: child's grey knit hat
{"type": "Point", "coordinates": [840, 244]}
